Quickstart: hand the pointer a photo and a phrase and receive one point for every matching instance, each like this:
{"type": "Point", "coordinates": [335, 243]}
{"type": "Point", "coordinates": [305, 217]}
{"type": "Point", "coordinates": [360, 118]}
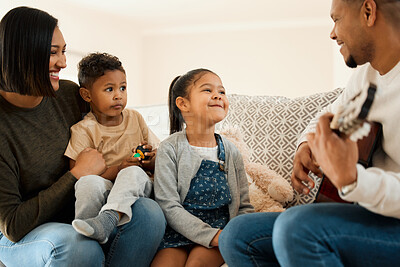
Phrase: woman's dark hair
{"type": "Point", "coordinates": [25, 43]}
{"type": "Point", "coordinates": [94, 65]}
{"type": "Point", "coordinates": [179, 88]}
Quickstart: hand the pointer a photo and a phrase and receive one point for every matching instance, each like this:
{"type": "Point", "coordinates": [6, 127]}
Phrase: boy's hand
{"type": "Point", "coordinates": [131, 161]}
{"type": "Point", "coordinates": [149, 164]}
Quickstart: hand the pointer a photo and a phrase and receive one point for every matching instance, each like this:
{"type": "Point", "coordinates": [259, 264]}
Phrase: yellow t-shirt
{"type": "Point", "coordinates": [114, 142]}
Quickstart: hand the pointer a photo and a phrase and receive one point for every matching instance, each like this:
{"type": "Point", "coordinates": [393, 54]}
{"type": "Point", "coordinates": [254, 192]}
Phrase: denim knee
{"type": "Point", "coordinates": [230, 235]}
{"type": "Point", "coordinates": [292, 225]}
{"type": "Point", "coordinates": [149, 212]}
{"type": "Point", "coordinates": [73, 246]}
{"type": "Point", "coordinates": [54, 244]}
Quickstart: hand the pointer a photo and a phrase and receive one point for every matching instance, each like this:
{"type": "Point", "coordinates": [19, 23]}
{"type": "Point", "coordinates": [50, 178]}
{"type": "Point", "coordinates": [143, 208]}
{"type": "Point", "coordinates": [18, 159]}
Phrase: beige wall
{"type": "Point", "coordinates": [290, 61]}
{"type": "Point", "coordinates": [290, 56]}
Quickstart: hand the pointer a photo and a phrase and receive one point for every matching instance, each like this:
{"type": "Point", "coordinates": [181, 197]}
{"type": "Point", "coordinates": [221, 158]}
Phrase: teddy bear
{"type": "Point", "coordinates": [267, 189]}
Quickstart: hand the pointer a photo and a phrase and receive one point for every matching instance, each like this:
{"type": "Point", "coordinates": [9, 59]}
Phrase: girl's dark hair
{"type": "Point", "coordinates": [25, 44]}
{"type": "Point", "coordinates": [94, 65]}
{"type": "Point", "coordinates": [179, 88]}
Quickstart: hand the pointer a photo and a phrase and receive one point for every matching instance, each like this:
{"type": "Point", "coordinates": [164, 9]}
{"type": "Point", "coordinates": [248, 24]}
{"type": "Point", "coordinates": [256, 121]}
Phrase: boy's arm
{"type": "Point", "coordinates": [112, 171]}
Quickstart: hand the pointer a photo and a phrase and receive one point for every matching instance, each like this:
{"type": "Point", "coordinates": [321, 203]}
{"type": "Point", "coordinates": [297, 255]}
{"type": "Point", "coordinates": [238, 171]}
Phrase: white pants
{"type": "Point", "coordinates": [94, 194]}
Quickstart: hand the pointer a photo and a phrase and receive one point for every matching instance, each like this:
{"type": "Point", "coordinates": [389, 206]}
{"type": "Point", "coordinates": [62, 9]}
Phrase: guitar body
{"type": "Point", "coordinates": [327, 192]}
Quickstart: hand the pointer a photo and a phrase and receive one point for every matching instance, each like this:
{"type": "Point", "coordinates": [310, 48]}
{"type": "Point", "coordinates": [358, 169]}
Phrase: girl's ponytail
{"type": "Point", "coordinates": [175, 117]}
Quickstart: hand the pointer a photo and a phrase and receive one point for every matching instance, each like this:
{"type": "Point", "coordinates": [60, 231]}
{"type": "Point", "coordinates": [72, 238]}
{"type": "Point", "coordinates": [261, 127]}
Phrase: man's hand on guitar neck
{"type": "Point", "coordinates": [303, 163]}
{"type": "Point", "coordinates": [337, 155]}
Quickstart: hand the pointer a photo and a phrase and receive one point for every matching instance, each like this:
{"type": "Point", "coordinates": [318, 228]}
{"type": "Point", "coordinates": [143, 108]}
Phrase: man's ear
{"type": "Point", "coordinates": [182, 103]}
{"type": "Point", "coordinates": [85, 94]}
{"type": "Point", "coordinates": [369, 12]}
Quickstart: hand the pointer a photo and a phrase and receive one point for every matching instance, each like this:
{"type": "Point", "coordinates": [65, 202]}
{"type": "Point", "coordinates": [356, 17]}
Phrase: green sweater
{"type": "Point", "coordinates": [35, 184]}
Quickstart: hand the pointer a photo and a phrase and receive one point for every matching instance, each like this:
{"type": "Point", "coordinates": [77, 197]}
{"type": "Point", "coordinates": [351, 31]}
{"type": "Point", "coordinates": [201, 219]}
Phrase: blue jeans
{"type": "Point", "coordinates": [247, 240]}
{"type": "Point", "coordinates": [325, 234]}
{"type": "Point", "coordinates": [57, 244]}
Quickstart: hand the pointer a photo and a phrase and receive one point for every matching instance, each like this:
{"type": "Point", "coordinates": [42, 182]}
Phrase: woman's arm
{"type": "Point", "coordinates": [19, 213]}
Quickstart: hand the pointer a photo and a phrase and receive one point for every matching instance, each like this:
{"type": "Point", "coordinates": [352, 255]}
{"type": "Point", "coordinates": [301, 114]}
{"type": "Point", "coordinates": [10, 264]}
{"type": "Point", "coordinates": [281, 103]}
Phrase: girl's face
{"type": "Point", "coordinates": [207, 102]}
{"type": "Point", "coordinates": [57, 57]}
{"type": "Point", "coordinates": [108, 97]}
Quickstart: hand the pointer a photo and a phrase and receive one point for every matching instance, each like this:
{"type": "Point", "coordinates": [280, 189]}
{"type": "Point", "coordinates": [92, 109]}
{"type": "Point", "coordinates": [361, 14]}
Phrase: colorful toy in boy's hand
{"type": "Point", "coordinates": [140, 150]}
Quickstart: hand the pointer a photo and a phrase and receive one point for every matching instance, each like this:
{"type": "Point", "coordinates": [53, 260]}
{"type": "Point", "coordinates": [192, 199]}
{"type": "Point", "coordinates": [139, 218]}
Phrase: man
{"type": "Point", "coordinates": [367, 234]}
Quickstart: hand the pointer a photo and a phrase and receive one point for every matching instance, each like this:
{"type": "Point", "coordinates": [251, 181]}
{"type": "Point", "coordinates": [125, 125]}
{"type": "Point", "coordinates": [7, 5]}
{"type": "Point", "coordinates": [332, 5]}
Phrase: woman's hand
{"type": "Point", "coordinates": [89, 161]}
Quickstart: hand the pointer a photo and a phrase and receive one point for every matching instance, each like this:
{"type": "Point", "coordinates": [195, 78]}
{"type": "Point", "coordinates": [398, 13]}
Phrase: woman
{"type": "Point", "coordinates": [36, 188]}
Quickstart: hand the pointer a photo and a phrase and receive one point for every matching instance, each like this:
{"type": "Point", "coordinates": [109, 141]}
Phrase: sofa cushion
{"type": "Point", "coordinates": [271, 126]}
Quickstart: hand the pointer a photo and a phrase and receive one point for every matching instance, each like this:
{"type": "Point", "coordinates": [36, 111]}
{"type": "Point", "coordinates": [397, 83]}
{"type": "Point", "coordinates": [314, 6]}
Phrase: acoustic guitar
{"type": "Point", "coordinates": [350, 120]}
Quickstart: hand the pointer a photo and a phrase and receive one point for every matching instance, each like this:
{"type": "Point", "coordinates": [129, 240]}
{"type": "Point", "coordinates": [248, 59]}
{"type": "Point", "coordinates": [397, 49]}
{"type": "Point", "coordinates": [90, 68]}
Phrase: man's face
{"type": "Point", "coordinates": [350, 34]}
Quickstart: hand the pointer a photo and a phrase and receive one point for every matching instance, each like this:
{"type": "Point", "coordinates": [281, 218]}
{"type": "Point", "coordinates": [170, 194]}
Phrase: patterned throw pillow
{"type": "Point", "coordinates": [271, 126]}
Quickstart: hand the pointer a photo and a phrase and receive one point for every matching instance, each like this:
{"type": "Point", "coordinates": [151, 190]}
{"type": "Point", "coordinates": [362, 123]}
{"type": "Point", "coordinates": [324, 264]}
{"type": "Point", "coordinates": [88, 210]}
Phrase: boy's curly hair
{"type": "Point", "coordinates": [94, 65]}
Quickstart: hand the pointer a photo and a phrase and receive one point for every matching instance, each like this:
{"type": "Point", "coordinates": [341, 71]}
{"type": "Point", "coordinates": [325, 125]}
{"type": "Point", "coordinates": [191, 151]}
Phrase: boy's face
{"type": "Point", "coordinates": [107, 96]}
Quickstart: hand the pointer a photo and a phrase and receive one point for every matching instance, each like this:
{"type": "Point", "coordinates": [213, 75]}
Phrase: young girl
{"type": "Point", "coordinates": [200, 181]}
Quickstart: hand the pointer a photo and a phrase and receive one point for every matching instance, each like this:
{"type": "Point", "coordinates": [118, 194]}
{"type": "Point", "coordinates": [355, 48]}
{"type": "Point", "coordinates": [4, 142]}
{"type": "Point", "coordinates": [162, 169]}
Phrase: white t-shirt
{"type": "Point", "coordinates": [209, 153]}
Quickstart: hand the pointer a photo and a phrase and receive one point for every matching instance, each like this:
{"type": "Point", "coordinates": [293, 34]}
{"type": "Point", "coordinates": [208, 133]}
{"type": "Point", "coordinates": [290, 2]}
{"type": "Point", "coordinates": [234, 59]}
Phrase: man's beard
{"type": "Point", "coordinates": [351, 62]}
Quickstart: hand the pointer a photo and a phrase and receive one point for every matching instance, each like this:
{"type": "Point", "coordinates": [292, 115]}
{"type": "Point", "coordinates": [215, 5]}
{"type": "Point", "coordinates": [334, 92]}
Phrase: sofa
{"type": "Point", "coordinates": [270, 126]}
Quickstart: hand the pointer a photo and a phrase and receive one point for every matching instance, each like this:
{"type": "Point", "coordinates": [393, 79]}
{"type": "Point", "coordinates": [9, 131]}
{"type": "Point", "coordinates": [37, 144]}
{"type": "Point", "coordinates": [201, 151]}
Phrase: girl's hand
{"type": "Point", "coordinates": [89, 161]}
{"type": "Point", "coordinates": [214, 241]}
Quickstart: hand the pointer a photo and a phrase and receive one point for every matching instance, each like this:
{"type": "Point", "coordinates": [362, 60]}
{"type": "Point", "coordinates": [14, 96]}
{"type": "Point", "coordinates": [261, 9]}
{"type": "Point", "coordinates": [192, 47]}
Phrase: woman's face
{"type": "Point", "coordinates": [57, 57]}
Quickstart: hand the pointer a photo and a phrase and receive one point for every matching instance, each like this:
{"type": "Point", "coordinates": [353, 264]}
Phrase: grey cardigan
{"type": "Point", "coordinates": [176, 165]}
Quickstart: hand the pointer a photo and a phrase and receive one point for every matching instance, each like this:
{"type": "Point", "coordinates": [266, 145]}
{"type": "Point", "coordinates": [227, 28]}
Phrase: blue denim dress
{"type": "Point", "coordinates": [207, 199]}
